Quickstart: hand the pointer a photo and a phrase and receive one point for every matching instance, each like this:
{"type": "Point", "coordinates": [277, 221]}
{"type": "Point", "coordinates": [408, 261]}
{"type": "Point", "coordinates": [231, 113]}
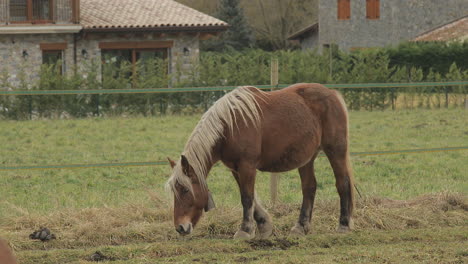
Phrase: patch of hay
{"type": "Point", "coordinates": [138, 224]}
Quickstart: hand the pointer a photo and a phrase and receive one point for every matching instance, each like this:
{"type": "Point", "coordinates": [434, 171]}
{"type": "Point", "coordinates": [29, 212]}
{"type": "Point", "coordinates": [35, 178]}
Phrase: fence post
{"type": "Point", "coordinates": [274, 178]}
{"type": "Point", "coordinates": [446, 97]}
{"type": "Point", "coordinates": [30, 99]}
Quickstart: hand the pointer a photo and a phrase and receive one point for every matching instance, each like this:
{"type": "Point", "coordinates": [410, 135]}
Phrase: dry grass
{"type": "Point", "coordinates": [132, 224]}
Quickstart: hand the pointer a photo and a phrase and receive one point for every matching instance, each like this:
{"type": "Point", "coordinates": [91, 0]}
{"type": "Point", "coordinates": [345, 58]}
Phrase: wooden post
{"type": "Point", "coordinates": [274, 178]}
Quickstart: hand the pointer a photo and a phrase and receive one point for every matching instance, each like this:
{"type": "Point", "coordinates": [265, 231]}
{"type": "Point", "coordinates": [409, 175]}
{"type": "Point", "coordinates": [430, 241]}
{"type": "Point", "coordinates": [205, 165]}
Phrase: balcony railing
{"type": "Point", "coordinates": [39, 11]}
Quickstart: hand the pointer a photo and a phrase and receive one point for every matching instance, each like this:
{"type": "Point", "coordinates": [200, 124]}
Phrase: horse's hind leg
{"type": "Point", "coordinates": [309, 186]}
{"type": "Point", "coordinates": [338, 156]}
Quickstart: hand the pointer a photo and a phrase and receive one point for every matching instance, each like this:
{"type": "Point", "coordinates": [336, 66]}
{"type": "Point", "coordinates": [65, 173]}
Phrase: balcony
{"type": "Point", "coordinates": [43, 12]}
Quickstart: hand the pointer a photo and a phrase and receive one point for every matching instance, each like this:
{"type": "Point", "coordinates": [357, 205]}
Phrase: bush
{"type": "Point", "coordinates": [234, 68]}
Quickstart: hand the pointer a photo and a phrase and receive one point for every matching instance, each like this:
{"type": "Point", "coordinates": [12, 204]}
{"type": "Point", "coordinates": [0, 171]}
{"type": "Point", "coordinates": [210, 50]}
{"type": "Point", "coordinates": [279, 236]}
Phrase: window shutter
{"type": "Point", "coordinates": [344, 9]}
{"type": "Point", "coordinates": [340, 9]}
{"type": "Point", "coordinates": [348, 9]}
{"type": "Point", "coordinates": [377, 8]}
{"type": "Point", "coordinates": [372, 9]}
{"type": "Point", "coordinates": [369, 8]}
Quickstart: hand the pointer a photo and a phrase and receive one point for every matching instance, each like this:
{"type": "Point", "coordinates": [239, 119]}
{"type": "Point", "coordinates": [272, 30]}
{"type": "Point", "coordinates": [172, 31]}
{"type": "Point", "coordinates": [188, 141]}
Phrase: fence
{"type": "Point", "coordinates": [24, 104]}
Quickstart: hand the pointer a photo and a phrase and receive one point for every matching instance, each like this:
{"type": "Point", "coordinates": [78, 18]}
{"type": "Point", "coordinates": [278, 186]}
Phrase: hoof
{"type": "Point", "coordinates": [242, 235]}
{"type": "Point", "coordinates": [297, 231]}
{"type": "Point", "coordinates": [264, 230]}
{"type": "Point", "coordinates": [343, 229]}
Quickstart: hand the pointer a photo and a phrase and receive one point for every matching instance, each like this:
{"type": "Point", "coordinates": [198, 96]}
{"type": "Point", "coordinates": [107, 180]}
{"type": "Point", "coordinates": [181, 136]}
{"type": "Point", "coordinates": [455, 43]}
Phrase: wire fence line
{"type": "Point", "coordinates": [157, 163]}
{"type": "Point", "coordinates": [226, 88]}
{"type": "Point", "coordinates": [61, 101]}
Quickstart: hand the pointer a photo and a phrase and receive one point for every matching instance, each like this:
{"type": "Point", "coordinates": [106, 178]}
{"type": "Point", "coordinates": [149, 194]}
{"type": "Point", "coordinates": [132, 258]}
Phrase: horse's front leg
{"type": "Point", "coordinates": [245, 177]}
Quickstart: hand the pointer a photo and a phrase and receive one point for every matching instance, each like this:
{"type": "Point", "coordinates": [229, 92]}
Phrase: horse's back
{"type": "Point", "coordinates": [294, 123]}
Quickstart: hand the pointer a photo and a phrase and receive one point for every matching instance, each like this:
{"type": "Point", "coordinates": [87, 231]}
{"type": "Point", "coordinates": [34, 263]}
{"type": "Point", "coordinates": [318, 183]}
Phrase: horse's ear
{"type": "Point", "coordinates": [210, 205]}
{"type": "Point", "coordinates": [171, 162]}
{"type": "Point", "coordinates": [185, 164]}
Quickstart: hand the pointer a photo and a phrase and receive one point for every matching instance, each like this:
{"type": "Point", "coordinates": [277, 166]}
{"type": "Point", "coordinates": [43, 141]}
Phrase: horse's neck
{"type": "Point", "coordinates": [215, 157]}
{"type": "Point", "coordinates": [207, 163]}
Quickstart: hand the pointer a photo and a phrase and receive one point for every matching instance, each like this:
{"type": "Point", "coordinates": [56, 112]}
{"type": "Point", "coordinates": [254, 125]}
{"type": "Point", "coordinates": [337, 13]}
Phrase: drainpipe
{"type": "Point", "coordinates": [75, 35]}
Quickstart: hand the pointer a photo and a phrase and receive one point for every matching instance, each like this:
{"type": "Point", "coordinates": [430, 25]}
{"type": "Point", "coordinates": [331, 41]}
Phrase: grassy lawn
{"type": "Point", "coordinates": [125, 213]}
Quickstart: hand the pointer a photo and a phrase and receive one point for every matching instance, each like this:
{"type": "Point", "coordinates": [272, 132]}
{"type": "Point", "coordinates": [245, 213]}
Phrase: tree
{"type": "Point", "coordinates": [275, 20]}
{"type": "Point", "coordinates": [239, 35]}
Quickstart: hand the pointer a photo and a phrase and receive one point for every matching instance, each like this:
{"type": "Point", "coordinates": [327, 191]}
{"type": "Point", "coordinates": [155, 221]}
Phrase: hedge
{"type": "Point", "coordinates": [250, 67]}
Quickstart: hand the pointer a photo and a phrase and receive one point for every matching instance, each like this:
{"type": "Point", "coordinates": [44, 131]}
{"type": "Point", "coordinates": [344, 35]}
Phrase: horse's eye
{"type": "Point", "coordinates": [185, 190]}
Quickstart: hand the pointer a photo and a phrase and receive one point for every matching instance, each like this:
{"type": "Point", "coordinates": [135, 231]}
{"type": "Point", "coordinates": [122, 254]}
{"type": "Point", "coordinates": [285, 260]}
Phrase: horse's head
{"type": "Point", "coordinates": [191, 198]}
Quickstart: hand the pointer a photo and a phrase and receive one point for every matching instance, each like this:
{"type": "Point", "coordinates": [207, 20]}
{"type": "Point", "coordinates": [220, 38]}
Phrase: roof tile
{"type": "Point", "coordinates": [456, 30]}
{"type": "Point", "coordinates": [105, 14]}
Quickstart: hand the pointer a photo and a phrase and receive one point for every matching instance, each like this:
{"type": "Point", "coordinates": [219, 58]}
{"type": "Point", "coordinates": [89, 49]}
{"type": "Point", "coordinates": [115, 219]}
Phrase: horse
{"type": "Point", "coordinates": [6, 255]}
{"type": "Point", "coordinates": [249, 130]}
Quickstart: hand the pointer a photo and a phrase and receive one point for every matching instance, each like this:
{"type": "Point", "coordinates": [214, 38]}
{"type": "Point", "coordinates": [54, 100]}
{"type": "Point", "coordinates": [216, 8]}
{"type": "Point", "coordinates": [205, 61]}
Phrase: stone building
{"type": "Point", "coordinates": [33, 32]}
{"type": "Point", "coordinates": [355, 24]}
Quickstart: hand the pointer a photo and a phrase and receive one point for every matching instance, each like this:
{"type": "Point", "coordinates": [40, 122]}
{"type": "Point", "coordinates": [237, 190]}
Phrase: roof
{"type": "Point", "coordinates": [299, 34]}
{"type": "Point", "coordinates": [144, 14]}
{"type": "Point", "coordinates": [455, 30]}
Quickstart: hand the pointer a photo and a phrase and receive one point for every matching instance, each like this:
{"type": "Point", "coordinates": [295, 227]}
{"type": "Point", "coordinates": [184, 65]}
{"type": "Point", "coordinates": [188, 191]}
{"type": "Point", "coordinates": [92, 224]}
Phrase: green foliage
{"type": "Point", "coordinates": [229, 68]}
{"type": "Point", "coordinates": [426, 55]}
{"type": "Point", "coordinates": [239, 35]}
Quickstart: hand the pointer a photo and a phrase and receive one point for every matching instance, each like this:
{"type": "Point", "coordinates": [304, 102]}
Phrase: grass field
{"type": "Point", "coordinates": [414, 206]}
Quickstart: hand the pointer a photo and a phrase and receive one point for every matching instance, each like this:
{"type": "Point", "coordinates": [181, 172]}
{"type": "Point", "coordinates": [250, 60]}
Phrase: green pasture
{"type": "Point", "coordinates": [125, 212]}
{"type": "Point", "coordinates": [97, 140]}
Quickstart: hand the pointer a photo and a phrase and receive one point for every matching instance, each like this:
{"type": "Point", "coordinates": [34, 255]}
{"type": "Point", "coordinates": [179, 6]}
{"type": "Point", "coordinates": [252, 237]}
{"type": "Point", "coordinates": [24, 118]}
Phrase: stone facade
{"type": "Point", "coordinates": [399, 20]}
{"type": "Point", "coordinates": [13, 46]}
{"type": "Point", "coordinates": [142, 23]}
{"type": "Point", "coordinates": [310, 40]}
{"type": "Point", "coordinates": [22, 55]}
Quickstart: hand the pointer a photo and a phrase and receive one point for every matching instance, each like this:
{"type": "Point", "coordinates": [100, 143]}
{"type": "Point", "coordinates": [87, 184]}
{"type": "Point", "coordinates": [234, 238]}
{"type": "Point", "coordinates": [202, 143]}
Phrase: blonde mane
{"type": "Point", "coordinates": [210, 129]}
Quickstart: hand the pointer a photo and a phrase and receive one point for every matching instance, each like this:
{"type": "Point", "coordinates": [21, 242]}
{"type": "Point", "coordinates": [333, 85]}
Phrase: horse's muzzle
{"type": "Point", "coordinates": [184, 229]}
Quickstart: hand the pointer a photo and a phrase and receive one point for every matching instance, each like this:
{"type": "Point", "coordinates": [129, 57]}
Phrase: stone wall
{"type": "Point", "coordinates": [310, 41]}
{"type": "Point", "coordinates": [15, 64]}
{"type": "Point", "coordinates": [12, 47]}
{"type": "Point", "coordinates": [399, 20]}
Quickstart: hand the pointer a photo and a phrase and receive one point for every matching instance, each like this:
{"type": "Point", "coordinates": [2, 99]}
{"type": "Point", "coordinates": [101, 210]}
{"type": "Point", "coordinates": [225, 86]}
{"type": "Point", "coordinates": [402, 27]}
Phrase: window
{"type": "Point", "coordinates": [122, 57]}
{"type": "Point", "coordinates": [52, 54]}
{"type": "Point", "coordinates": [124, 61]}
{"type": "Point", "coordinates": [372, 9]}
{"type": "Point", "coordinates": [33, 11]}
{"type": "Point", "coordinates": [344, 9]}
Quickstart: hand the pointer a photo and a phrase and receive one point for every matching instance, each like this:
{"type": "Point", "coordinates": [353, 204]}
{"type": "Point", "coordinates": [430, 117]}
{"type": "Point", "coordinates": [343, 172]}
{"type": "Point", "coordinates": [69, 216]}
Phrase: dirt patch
{"type": "Point", "coordinates": [279, 243]}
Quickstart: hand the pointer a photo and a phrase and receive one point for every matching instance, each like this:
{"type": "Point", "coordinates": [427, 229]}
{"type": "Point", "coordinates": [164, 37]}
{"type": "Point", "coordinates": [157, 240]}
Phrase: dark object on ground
{"type": "Point", "coordinates": [42, 234]}
{"type": "Point", "coordinates": [98, 256]}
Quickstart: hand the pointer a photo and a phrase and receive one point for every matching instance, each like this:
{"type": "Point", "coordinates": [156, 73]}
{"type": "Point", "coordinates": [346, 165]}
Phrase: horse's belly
{"type": "Point", "coordinates": [277, 158]}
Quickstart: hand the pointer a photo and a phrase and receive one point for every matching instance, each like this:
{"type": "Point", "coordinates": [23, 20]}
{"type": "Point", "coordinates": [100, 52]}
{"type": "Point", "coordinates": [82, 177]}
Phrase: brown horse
{"type": "Point", "coordinates": [250, 130]}
{"type": "Point", "coordinates": [6, 256]}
